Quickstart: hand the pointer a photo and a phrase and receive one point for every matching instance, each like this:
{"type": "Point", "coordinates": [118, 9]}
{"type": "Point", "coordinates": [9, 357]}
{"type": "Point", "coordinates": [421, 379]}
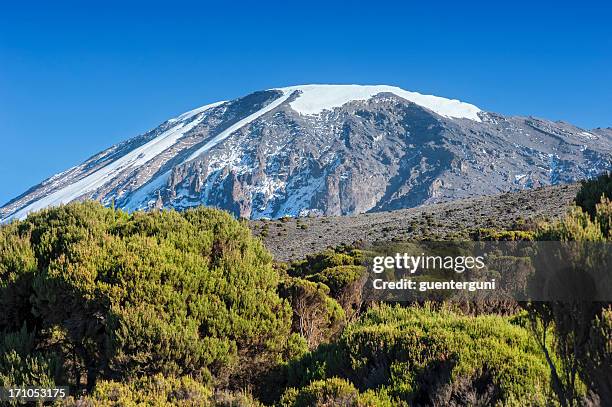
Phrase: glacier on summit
{"type": "Point", "coordinates": [314, 99]}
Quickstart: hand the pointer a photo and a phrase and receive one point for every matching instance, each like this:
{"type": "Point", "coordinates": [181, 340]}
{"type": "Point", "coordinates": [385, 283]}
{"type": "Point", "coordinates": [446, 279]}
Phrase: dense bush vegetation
{"type": "Point", "coordinates": [582, 335]}
{"type": "Point", "coordinates": [591, 192]}
{"type": "Point", "coordinates": [188, 309]}
{"type": "Point", "coordinates": [332, 392]}
{"type": "Point", "coordinates": [316, 316]}
{"type": "Point", "coordinates": [120, 296]}
{"type": "Point", "coordinates": [420, 356]}
{"type": "Point", "coordinates": [341, 271]}
{"type": "Point", "coordinates": [156, 390]}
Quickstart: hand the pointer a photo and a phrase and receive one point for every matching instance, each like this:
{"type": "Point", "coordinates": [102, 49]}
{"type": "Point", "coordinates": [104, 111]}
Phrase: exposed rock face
{"type": "Point", "coordinates": [327, 150]}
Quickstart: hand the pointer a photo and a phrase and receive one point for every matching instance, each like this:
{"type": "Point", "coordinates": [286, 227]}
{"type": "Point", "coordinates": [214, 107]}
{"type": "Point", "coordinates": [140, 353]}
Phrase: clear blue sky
{"type": "Point", "coordinates": [77, 77]}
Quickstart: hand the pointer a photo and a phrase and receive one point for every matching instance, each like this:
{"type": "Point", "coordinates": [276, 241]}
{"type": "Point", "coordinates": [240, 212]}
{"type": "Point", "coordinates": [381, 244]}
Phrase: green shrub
{"type": "Point", "coordinates": [161, 391]}
{"type": "Point", "coordinates": [21, 363]}
{"type": "Point", "coordinates": [598, 348]}
{"type": "Point", "coordinates": [502, 235]}
{"type": "Point", "coordinates": [337, 278]}
{"type": "Point", "coordinates": [419, 356]}
{"type": "Point", "coordinates": [581, 329]}
{"type": "Point", "coordinates": [340, 271]}
{"type": "Point", "coordinates": [315, 263]}
{"type": "Point", "coordinates": [345, 284]}
{"type": "Point", "coordinates": [331, 392]}
{"type": "Point", "coordinates": [155, 390]}
{"type": "Point", "coordinates": [132, 295]}
{"type": "Point", "coordinates": [316, 316]}
{"type": "Point", "coordinates": [576, 226]}
{"type": "Point", "coordinates": [591, 192]}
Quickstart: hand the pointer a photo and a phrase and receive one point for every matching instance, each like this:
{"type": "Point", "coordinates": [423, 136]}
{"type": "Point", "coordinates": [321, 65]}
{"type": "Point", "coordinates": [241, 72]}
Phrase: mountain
{"type": "Point", "coordinates": [327, 150]}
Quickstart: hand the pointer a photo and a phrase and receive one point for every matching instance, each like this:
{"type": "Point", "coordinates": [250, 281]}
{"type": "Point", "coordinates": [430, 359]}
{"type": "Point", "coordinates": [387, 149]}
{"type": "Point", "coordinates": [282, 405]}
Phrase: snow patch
{"type": "Point", "coordinates": [236, 126]}
{"type": "Point", "coordinates": [519, 177]}
{"type": "Point", "coordinates": [133, 159]}
{"type": "Point", "coordinates": [141, 199]}
{"type": "Point", "coordinates": [193, 112]}
{"type": "Point", "coordinates": [588, 135]}
{"type": "Point", "coordinates": [314, 99]}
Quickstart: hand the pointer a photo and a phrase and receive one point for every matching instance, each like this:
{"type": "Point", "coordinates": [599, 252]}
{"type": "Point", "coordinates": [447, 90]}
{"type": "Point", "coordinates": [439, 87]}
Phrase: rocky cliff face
{"type": "Point", "coordinates": [327, 150]}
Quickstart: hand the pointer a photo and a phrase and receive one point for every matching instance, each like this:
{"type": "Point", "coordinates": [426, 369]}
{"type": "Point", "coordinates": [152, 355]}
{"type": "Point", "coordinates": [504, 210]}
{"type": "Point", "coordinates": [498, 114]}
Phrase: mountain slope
{"type": "Point", "coordinates": [327, 149]}
{"type": "Point", "coordinates": [294, 238]}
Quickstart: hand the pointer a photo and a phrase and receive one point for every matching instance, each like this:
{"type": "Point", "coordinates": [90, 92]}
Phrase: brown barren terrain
{"type": "Point", "coordinates": [294, 238]}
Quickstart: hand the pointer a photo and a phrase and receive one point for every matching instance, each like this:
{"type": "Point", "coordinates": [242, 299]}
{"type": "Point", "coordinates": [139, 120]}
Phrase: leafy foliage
{"type": "Point", "coordinates": [332, 392]}
{"type": "Point", "coordinates": [156, 390]}
{"type": "Point", "coordinates": [315, 263]}
{"type": "Point", "coordinates": [133, 295]}
{"type": "Point", "coordinates": [417, 354]}
{"type": "Point", "coordinates": [598, 356]}
{"type": "Point", "coordinates": [592, 191]}
{"type": "Point", "coordinates": [582, 339]}
{"type": "Point", "coordinates": [168, 308]}
{"type": "Point", "coordinates": [502, 235]}
{"type": "Point", "coordinates": [340, 270]}
{"type": "Point", "coordinates": [316, 316]}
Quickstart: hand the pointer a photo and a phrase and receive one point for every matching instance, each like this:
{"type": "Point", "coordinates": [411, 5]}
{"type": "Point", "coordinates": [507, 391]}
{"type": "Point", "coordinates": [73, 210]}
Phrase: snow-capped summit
{"type": "Point", "coordinates": [326, 149]}
{"type": "Point", "coordinates": [313, 99]}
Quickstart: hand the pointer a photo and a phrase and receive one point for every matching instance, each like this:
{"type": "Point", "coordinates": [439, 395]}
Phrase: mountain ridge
{"type": "Point", "coordinates": [326, 150]}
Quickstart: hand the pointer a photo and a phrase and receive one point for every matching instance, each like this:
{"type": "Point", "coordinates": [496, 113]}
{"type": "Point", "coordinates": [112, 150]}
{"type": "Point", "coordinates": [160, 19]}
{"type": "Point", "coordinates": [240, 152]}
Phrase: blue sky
{"type": "Point", "coordinates": [77, 77]}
